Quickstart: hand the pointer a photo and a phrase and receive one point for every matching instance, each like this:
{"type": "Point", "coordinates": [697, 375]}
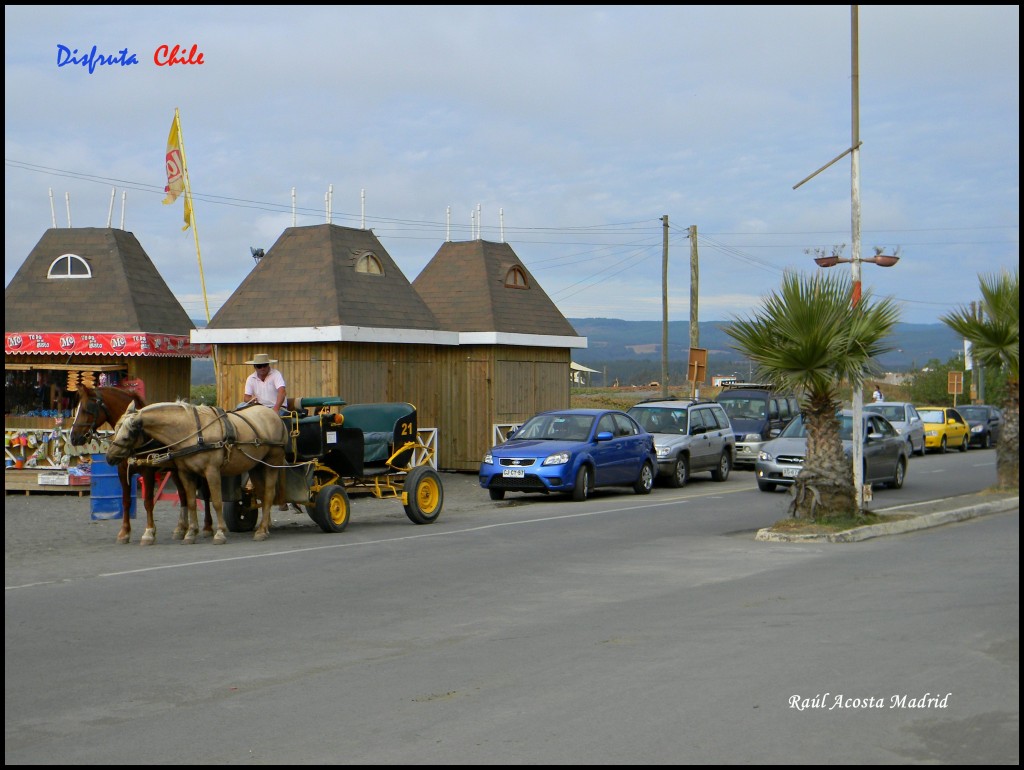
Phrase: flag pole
{"type": "Point", "coordinates": [190, 217]}
{"type": "Point", "coordinates": [190, 221]}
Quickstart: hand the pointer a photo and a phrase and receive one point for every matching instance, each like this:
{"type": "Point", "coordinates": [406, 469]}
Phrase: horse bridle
{"type": "Point", "coordinates": [92, 407]}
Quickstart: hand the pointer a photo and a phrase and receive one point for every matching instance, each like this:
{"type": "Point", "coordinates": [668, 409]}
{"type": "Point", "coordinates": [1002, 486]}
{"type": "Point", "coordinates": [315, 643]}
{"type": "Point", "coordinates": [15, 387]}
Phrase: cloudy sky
{"type": "Point", "coordinates": [568, 132]}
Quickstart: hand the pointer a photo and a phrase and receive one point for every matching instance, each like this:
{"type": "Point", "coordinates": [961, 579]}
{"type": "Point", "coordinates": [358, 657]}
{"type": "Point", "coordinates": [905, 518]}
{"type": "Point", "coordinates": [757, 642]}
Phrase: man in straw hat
{"type": "Point", "coordinates": [266, 384]}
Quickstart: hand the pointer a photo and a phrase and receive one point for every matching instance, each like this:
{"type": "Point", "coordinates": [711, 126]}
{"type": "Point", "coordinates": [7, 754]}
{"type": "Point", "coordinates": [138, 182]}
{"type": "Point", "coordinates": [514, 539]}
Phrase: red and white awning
{"type": "Point", "coordinates": [104, 343]}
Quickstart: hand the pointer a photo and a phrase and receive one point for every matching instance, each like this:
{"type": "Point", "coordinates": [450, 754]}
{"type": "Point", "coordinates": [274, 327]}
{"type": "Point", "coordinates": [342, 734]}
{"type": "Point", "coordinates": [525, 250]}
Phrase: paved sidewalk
{"type": "Point", "coordinates": [933, 513]}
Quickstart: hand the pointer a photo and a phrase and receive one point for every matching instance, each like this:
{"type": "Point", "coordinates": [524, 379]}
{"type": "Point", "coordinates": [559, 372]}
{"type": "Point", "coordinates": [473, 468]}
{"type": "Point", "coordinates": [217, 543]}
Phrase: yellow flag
{"type": "Point", "coordinates": [175, 162]}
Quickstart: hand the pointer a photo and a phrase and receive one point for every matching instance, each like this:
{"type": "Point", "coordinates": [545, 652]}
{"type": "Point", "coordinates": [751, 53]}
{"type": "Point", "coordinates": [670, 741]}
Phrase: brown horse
{"type": "Point", "coordinates": [204, 442]}
{"type": "Point", "coordinates": [104, 406]}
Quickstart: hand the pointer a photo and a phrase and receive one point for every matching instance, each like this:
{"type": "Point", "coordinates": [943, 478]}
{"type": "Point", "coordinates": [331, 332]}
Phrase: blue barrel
{"type": "Point", "coordinates": [105, 491]}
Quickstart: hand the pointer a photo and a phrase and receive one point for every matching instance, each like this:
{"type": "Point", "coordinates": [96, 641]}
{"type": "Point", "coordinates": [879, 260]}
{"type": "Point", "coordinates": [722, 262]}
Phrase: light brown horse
{"type": "Point", "coordinates": [204, 442]}
{"type": "Point", "coordinates": [104, 406]}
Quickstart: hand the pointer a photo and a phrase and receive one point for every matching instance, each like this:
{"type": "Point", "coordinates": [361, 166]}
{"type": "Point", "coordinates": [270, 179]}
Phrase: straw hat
{"type": "Point", "coordinates": [262, 358]}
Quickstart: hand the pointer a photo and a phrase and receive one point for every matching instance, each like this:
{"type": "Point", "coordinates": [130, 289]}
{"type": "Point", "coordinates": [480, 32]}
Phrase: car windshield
{"type": "Point", "coordinates": [973, 413]}
{"type": "Point", "coordinates": [656, 419]}
{"type": "Point", "coordinates": [556, 427]}
{"type": "Point", "coordinates": [891, 412]}
{"type": "Point", "coordinates": [797, 428]}
{"type": "Point", "coordinates": [744, 408]}
{"type": "Point", "coordinates": [931, 415]}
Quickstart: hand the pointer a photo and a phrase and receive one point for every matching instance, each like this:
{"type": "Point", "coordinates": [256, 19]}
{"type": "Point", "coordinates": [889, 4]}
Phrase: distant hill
{"type": "Point", "coordinates": [614, 344]}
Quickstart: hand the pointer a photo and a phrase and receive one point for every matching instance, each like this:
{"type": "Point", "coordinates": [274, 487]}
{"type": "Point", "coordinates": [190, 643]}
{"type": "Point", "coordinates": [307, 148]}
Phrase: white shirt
{"type": "Point", "coordinates": [264, 390]}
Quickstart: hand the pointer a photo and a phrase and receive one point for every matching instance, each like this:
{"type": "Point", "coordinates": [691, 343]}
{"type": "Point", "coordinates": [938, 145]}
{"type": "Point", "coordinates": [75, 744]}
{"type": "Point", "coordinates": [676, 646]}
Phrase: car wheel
{"type": "Point", "coordinates": [921, 452]}
{"type": "Point", "coordinates": [986, 443]}
{"type": "Point", "coordinates": [899, 475]}
{"type": "Point", "coordinates": [496, 494]}
{"type": "Point", "coordinates": [584, 484]}
{"type": "Point", "coordinates": [680, 472]}
{"type": "Point", "coordinates": [942, 446]}
{"type": "Point", "coordinates": [766, 486]}
{"type": "Point", "coordinates": [721, 473]}
{"type": "Point", "coordinates": [966, 441]}
{"type": "Point", "coordinates": [645, 482]}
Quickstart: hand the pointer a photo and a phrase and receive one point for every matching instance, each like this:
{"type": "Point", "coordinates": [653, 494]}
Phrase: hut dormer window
{"type": "Point", "coordinates": [69, 266]}
{"type": "Point", "coordinates": [369, 264]}
{"type": "Point", "coordinates": [515, 278]}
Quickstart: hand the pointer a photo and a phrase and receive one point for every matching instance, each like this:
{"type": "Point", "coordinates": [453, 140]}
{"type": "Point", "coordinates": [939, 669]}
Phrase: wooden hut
{"type": "Point", "coordinates": [339, 316]}
{"type": "Point", "coordinates": [330, 304]}
{"type": "Point", "coordinates": [88, 305]}
{"type": "Point", "coordinates": [515, 346]}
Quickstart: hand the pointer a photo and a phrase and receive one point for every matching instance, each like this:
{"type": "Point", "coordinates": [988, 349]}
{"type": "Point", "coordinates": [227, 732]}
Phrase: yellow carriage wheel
{"type": "Point", "coordinates": [424, 495]}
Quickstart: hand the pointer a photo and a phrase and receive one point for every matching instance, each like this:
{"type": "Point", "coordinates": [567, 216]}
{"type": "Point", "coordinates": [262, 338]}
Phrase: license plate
{"type": "Point", "coordinates": [790, 473]}
{"type": "Point", "coordinates": [513, 473]}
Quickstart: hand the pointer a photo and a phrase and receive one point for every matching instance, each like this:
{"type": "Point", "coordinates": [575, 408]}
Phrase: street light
{"type": "Point", "coordinates": [882, 260]}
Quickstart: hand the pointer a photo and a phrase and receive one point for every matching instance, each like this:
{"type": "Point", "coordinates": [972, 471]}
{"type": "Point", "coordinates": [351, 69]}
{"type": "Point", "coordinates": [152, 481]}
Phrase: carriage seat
{"type": "Point", "coordinates": [386, 427]}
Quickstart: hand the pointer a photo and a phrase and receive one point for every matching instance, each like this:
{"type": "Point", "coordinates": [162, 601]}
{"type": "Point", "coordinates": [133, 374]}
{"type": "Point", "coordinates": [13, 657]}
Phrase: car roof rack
{"type": "Point", "coordinates": [747, 386]}
{"type": "Point", "coordinates": [674, 398]}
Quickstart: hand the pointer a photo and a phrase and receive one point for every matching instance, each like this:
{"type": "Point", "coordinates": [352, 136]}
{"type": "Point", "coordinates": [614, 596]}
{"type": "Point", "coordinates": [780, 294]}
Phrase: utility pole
{"type": "Point", "coordinates": [664, 306]}
{"type": "Point", "coordinates": [978, 370]}
{"type": "Point", "coordinates": [694, 282]}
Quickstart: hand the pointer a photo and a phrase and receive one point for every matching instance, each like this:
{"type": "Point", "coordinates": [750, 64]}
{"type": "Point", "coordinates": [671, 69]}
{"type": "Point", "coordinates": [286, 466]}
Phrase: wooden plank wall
{"type": "Point", "coordinates": [460, 391]}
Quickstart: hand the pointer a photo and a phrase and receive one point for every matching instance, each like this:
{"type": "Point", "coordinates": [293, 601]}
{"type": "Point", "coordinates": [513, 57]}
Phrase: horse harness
{"type": "Point", "coordinates": [229, 441]}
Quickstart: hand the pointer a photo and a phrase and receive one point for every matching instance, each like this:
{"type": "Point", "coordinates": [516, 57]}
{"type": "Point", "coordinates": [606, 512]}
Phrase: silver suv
{"type": "Point", "coordinates": [689, 436]}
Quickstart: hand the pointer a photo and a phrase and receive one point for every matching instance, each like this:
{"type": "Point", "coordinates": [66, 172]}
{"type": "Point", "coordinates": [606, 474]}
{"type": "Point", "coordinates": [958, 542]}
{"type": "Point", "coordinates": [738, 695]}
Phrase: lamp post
{"type": "Point", "coordinates": [857, 396]}
{"type": "Point", "coordinates": [855, 261]}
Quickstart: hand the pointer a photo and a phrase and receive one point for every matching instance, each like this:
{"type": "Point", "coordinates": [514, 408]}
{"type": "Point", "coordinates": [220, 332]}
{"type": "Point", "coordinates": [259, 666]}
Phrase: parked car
{"type": "Point", "coordinates": [985, 422]}
{"type": "Point", "coordinates": [944, 427]}
{"type": "Point", "coordinates": [780, 460]}
{"type": "Point", "coordinates": [757, 413]}
{"type": "Point", "coordinates": [572, 451]}
{"type": "Point", "coordinates": [905, 419]}
{"type": "Point", "coordinates": [689, 437]}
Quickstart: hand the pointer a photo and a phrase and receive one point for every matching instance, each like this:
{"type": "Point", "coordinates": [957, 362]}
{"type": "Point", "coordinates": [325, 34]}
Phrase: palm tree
{"type": "Point", "coordinates": [995, 337]}
{"type": "Point", "coordinates": [809, 339]}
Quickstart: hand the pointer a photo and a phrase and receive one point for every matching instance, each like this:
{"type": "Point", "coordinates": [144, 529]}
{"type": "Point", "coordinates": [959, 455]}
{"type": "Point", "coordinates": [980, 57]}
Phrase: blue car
{"type": "Point", "coordinates": [573, 451]}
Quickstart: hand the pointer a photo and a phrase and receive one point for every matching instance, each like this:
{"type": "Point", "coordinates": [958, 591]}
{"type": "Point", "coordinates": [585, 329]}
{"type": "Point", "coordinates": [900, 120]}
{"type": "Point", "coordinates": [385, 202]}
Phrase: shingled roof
{"type": "Point", "coordinates": [472, 286]}
{"type": "Point", "coordinates": [308, 278]}
{"type": "Point", "coordinates": [124, 294]}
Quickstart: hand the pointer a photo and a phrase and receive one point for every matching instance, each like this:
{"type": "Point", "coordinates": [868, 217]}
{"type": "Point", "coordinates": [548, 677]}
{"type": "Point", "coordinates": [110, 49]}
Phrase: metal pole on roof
{"type": "Point", "coordinates": [110, 209]}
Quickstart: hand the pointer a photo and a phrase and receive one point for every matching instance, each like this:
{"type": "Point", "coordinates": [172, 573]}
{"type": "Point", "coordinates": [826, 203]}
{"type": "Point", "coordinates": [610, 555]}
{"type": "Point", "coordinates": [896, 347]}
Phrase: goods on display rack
{"type": "Point", "coordinates": [50, 393]}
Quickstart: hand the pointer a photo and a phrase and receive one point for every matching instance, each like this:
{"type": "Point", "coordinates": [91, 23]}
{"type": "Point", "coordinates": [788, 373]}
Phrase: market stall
{"type": "Point", "coordinates": [87, 307]}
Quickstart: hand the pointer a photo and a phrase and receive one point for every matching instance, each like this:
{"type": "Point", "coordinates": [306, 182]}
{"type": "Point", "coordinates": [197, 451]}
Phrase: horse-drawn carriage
{"type": "Point", "coordinates": [337, 450]}
{"type": "Point", "coordinates": [251, 458]}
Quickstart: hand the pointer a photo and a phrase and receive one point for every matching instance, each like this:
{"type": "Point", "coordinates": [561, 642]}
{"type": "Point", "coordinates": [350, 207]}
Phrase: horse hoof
{"type": "Point", "coordinates": [260, 535]}
{"type": "Point", "coordinates": [177, 534]}
{"type": "Point", "coordinates": [207, 533]}
{"type": "Point", "coordinates": [149, 538]}
{"type": "Point", "coordinates": [124, 539]}
{"type": "Point", "coordinates": [188, 540]}
{"type": "Point", "coordinates": [220, 538]}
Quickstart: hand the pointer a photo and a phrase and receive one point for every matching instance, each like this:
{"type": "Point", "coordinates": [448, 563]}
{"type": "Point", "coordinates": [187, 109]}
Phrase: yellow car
{"type": "Point", "coordinates": [944, 428]}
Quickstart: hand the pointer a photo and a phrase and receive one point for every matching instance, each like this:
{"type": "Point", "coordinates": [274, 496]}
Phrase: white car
{"type": "Point", "coordinates": [905, 419]}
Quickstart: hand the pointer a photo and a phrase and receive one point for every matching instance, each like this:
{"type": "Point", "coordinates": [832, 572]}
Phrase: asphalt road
{"type": "Point", "coordinates": [628, 629]}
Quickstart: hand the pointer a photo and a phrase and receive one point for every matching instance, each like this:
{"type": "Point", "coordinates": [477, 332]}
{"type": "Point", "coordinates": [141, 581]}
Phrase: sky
{"type": "Point", "coordinates": [571, 133]}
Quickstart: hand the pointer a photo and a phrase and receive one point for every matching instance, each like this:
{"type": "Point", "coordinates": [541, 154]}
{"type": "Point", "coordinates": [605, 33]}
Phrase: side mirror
{"type": "Point", "coordinates": [605, 435]}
